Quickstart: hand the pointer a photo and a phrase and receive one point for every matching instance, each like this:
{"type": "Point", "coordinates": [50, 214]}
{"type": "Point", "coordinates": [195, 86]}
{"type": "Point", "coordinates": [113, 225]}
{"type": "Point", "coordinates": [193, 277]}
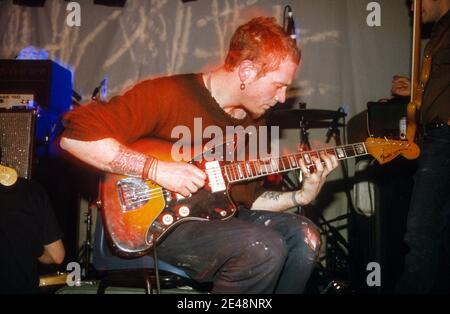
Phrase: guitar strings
{"type": "Point", "coordinates": [158, 192]}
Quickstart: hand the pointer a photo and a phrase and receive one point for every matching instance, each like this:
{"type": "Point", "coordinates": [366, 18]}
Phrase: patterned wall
{"type": "Point", "coordinates": [344, 60]}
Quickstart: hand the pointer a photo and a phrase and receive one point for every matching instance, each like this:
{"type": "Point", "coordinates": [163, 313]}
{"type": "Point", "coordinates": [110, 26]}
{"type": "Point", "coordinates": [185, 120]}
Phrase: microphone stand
{"type": "Point", "coordinates": [97, 90]}
{"type": "Point", "coordinates": [85, 251]}
{"type": "Point", "coordinates": [304, 145]}
{"type": "Point", "coordinates": [286, 11]}
{"type": "Point", "coordinates": [333, 129]}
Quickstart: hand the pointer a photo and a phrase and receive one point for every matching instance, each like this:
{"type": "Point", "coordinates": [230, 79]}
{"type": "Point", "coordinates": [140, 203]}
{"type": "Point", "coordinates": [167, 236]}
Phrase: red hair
{"type": "Point", "coordinates": [264, 42]}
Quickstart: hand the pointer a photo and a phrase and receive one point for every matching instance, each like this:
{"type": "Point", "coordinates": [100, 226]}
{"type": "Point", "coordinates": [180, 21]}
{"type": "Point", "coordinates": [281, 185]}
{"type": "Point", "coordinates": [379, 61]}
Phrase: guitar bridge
{"type": "Point", "coordinates": [132, 193]}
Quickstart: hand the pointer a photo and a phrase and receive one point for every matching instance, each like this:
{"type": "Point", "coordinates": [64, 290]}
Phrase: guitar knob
{"type": "Point", "coordinates": [220, 211]}
{"type": "Point", "coordinates": [184, 211]}
{"type": "Point", "coordinates": [167, 219]}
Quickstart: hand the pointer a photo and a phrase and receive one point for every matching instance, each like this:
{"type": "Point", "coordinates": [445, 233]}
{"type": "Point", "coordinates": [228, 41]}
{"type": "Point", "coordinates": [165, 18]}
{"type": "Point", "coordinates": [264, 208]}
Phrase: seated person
{"type": "Point", "coordinates": [260, 250]}
{"type": "Point", "coordinates": [29, 233]}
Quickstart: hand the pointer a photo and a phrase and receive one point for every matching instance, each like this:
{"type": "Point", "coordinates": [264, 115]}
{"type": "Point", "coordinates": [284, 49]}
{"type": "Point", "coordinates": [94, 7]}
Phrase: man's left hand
{"type": "Point", "coordinates": [313, 181]}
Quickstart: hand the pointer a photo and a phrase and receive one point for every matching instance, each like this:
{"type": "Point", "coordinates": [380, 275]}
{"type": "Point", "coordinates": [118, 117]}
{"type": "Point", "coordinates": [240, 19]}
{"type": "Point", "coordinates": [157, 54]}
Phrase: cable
{"type": "Point", "coordinates": [155, 262]}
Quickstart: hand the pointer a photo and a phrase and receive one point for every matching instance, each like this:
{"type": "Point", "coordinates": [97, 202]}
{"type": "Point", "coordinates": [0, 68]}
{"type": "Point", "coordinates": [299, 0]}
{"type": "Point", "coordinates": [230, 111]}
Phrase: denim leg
{"type": "Point", "coordinates": [237, 256]}
{"type": "Point", "coordinates": [428, 216]}
{"type": "Point", "coordinates": [302, 238]}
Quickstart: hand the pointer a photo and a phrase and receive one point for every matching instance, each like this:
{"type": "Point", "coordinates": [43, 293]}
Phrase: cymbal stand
{"type": "Point", "coordinates": [337, 246]}
{"type": "Point", "coordinates": [304, 144]}
{"type": "Point", "coordinates": [85, 251]}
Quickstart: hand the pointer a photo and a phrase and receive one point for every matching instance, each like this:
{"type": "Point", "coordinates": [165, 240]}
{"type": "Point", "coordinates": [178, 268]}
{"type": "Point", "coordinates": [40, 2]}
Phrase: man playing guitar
{"type": "Point", "coordinates": [258, 250]}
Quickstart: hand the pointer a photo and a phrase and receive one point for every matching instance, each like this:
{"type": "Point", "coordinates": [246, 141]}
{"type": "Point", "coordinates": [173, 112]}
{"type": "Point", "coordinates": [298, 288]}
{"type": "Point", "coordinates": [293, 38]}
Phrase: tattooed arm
{"type": "Point", "coordinates": [278, 201]}
{"type": "Point", "coordinates": [111, 156]}
{"type": "Point", "coordinates": [107, 155]}
{"type": "Point", "coordinates": [312, 184]}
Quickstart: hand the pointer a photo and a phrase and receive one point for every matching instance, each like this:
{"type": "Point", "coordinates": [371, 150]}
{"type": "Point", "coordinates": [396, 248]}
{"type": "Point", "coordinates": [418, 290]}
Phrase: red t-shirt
{"type": "Point", "coordinates": [153, 108]}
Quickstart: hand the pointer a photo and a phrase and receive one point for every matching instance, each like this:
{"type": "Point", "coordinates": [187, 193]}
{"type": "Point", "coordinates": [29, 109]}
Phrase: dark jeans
{"type": "Point", "coordinates": [427, 234]}
{"type": "Point", "coordinates": [255, 252]}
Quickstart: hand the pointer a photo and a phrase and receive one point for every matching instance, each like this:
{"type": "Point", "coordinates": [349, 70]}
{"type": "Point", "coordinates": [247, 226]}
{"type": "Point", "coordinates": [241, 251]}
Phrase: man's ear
{"type": "Point", "coordinates": [247, 70]}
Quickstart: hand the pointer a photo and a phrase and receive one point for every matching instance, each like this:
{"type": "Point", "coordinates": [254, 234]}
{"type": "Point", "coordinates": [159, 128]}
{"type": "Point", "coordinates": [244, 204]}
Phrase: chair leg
{"type": "Point", "coordinates": [148, 283]}
{"type": "Point", "coordinates": [101, 287]}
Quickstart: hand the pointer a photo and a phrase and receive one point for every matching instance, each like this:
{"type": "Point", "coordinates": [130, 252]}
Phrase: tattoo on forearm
{"type": "Point", "coordinates": [271, 195]}
{"type": "Point", "coordinates": [128, 162]}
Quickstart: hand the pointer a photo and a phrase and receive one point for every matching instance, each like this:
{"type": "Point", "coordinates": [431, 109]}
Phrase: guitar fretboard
{"type": "Point", "coordinates": [246, 170]}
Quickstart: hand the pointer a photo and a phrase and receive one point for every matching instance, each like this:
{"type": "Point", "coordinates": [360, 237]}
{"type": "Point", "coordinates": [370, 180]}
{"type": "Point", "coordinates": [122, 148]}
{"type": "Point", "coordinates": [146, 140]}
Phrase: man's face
{"type": "Point", "coordinates": [430, 11]}
{"type": "Point", "coordinates": [266, 91]}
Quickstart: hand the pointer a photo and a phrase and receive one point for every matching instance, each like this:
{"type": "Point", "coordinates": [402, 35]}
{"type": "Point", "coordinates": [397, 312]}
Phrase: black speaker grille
{"type": "Point", "coordinates": [16, 140]}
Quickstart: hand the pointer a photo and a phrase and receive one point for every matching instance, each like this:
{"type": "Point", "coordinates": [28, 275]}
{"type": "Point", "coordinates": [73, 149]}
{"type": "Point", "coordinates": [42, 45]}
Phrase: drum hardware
{"type": "Point", "coordinates": [53, 280]}
{"type": "Point", "coordinates": [305, 119]}
{"type": "Point", "coordinates": [85, 251]}
{"type": "Point", "coordinates": [330, 275]}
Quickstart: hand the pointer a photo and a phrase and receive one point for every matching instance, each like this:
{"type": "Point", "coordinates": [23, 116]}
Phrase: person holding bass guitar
{"type": "Point", "coordinates": [426, 268]}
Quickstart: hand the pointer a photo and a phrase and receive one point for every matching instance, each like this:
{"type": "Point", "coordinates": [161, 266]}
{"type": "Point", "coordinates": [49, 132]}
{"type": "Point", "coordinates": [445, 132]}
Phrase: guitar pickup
{"type": "Point", "coordinates": [215, 176]}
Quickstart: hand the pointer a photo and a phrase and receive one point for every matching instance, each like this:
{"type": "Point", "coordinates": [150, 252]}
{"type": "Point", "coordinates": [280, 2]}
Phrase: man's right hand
{"type": "Point", "coordinates": [180, 177]}
{"type": "Point", "coordinates": [401, 86]}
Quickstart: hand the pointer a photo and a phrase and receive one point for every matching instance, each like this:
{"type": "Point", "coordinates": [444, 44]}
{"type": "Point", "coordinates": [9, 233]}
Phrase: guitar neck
{"type": "Point", "coordinates": [246, 170]}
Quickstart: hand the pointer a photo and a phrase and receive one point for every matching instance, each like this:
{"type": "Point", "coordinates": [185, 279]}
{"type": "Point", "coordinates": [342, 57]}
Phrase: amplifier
{"type": "Point", "coordinates": [16, 140]}
{"type": "Point", "coordinates": [49, 83]}
{"type": "Point", "coordinates": [16, 101]}
{"type": "Point", "coordinates": [388, 118]}
{"type": "Point", "coordinates": [37, 85]}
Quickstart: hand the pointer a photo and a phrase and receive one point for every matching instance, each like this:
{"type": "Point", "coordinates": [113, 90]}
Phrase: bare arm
{"type": "Point", "coordinates": [280, 201]}
{"type": "Point", "coordinates": [277, 201]}
{"type": "Point", "coordinates": [107, 155]}
{"type": "Point", "coordinates": [53, 253]}
{"type": "Point", "coordinates": [401, 86]}
{"type": "Point", "coordinates": [111, 156]}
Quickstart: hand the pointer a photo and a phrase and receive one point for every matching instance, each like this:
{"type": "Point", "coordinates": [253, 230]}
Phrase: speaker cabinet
{"type": "Point", "coordinates": [17, 130]}
{"type": "Point", "coordinates": [386, 118]}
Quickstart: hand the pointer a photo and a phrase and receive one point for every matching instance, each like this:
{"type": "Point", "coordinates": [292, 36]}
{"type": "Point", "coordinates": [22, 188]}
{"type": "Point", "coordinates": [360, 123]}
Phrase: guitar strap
{"type": "Point", "coordinates": [429, 51]}
{"type": "Point", "coordinates": [430, 48]}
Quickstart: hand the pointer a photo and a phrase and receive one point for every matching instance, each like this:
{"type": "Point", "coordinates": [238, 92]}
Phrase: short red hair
{"type": "Point", "coordinates": [263, 41]}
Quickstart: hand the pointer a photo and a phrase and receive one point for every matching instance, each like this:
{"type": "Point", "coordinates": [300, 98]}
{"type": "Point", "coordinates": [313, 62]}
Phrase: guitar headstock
{"type": "Point", "coordinates": [385, 150]}
{"type": "Point", "coordinates": [8, 176]}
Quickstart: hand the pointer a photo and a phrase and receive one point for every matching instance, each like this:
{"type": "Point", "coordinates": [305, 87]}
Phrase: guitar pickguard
{"type": "Point", "coordinates": [209, 203]}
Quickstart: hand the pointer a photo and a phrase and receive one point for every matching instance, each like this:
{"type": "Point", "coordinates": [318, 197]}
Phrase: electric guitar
{"type": "Point", "coordinates": [137, 214]}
